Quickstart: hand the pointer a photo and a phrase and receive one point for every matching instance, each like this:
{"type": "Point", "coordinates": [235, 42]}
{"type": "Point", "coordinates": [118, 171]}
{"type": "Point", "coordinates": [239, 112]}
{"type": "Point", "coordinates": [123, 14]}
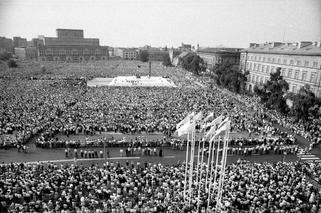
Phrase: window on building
{"type": "Point", "coordinates": [272, 69]}
{"type": "Point", "coordinates": [254, 58]}
{"type": "Point", "coordinates": [279, 60]}
{"type": "Point", "coordinates": [86, 52]}
{"type": "Point", "coordinates": [257, 79]}
{"type": "Point", "coordinates": [62, 52]}
{"type": "Point", "coordinates": [263, 68]}
{"type": "Point", "coordinates": [304, 75]}
{"type": "Point", "coordinates": [298, 63]}
{"type": "Point", "coordinates": [97, 52]}
{"type": "Point", "coordinates": [290, 73]}
{"type": "Point", "coordinates": [268, 59]}
{"type": "Point", "coordinates": [312, 77]}
{"type": "Point", "coordinates": [315, 64]}
{"type": "Point", "coordinates": [306, 63]}
{"type": "Point", "coordinates": [294, 88]}
{"type": "Point", "coordinates": [263, 59]}
{"type": "Point", "coordinates": [259, 67]}
{"type": "Point", "coordinates": [261, 80]}
{"type": "Point", "coordinates": [254, 66]}
{"type": "Point", "coordinates": [74, 52]}
{"type": "Point", "coordinates": [291, 62]}
{"type": "Point", "coordinates": [273, 60]}
{"type": "Point", "coordinates": [48, 51]}
{"type": "Point", "coordinates": [267, 68]}
{"type": "Point", "coordinates": [259, 58]}
{"type": "Point", "coordinates": [285, 61]}
{"type": "Point", "coordinates": [296, 74]}
{"type": "Point", "coordinates": [283, 72]}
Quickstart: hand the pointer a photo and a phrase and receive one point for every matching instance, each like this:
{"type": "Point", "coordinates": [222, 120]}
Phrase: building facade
{"type": "Point", "coordinates": [70, 46]}
{"type": "Point", "coordinates": [126, 53]}
{"type": "Point", "coordinates": [300, 64]}
{"type": "Point", "coordinates": [20, 42]}
{"type": "Point", "coordinates": [26, 53]}
{"type": "Point", "coordinates": [157, 54]}
{"type": "Point", "coordinates": [219, 56]}
{"type": "Point", "coordinates": [6, 45]}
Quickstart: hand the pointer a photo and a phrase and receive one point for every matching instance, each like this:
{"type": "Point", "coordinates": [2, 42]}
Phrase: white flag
{"type": "Point", "coordinates": [198, 117]}
{"type": "Point", "coordinates": [223, 127]}
{"type": "Point", "coordinates": [210, 116]}
{"type": "Point", "coordinates": [216, 121]}
{"type": "Point", "coordinates": [213, 125]}
{"type": "Point", "coordinates": [185, 120]}
{"type": "Point", "coordinates": [185, 128]}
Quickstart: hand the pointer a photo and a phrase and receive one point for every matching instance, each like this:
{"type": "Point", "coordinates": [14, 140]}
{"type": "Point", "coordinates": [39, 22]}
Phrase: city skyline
{"type": "Point", "coordinates": [136, 23]}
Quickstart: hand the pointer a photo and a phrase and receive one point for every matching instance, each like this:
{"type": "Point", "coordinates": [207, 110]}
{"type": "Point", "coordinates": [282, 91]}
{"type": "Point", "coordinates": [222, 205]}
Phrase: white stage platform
{"type": "Point", "coordinates": [132, 81]}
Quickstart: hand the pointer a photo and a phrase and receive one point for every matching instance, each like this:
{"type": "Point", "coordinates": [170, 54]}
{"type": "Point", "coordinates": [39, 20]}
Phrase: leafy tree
{"type": "Point", "coordinates": [273, 91]}
{"type": "Point", "coordinates": [226, 76]}
{"type": "Point", "coordinates": [143, 55]}
{"type": "Point", "coordinates": [304, 103]}
{"type": "Point", "coordinates": [193, 63]}
{"type": "Point", "coordinates": [12, 63]}
{"type": "Point", "coordinates": [167, 61]}
{"type": "Point", "coordinates": [4, 56]}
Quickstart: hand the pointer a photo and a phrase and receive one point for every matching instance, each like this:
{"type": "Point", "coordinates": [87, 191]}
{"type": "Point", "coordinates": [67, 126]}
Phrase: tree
{"type": "Point", "coordinates": [273, 91]}
{"type": "Point", "coordinates": [4, 56]}
{"type": "Point", "coordinates": [193, 63]}
{"type": "Point", "coordinates": [232, 79]}
{"type": "Point", "coordinates": [167, 61]}
{"type": "Point", "coordinates": [304, 103]}
{"type": "Point", "coordinates": [12, 63]}
{"type": "Point", "coordinates": [143, 55]}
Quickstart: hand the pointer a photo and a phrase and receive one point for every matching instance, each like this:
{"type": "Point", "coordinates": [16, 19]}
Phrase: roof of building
{"type": "Point", "coordinates": [296, 48]}
{"type": "Point", "coordinates": [219, 50]}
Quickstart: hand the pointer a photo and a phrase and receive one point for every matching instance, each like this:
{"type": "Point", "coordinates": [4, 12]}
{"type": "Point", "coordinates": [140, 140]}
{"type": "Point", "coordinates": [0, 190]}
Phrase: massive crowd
{"type": "Point", "coordinates": [54, 103]}
{"type": "Point", "coordinates": [266, 187]}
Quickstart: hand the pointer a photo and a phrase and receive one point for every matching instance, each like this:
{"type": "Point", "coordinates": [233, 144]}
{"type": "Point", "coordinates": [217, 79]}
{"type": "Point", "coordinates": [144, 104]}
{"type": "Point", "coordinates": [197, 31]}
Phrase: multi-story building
{"type": "Point", "coordinates": [300, 64]}
{"type": "Point", "coordinates": [219, 56]}
{"type": "Point", "coordinates": [126, 53]}
{"type": "Point", "coordinates": [157, 54]}
{"type": "Point", "coordinates": [6, 45]}
{"type": "Point", "coordinates": [19, 42]}
{"type": "Point", "coordinates": [26, 53]}
{"type": "Point", "coordinates": [71, 46]}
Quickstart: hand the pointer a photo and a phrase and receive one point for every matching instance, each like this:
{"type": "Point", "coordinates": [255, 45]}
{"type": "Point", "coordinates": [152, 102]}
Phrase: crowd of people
{"type": "Point", "coordinates": [56, 103]}
{"type": "Point", "coordinates": [258, 187]}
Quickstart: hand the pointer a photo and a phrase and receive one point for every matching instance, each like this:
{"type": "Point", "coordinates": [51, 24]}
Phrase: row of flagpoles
{"type": "Point", "coordinates": [211, 129]}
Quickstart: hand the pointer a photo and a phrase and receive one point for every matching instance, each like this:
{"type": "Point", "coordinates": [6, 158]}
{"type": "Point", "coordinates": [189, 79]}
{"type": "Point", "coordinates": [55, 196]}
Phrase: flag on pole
{"type": "Point", "coordinates": [185, 120]}
{"type": "Point", "coordinates": [213, 125]}
{"type": "Point", "coordinates": [186, 127]}
{"type": "Point", "coordinates": [198, 117]}
{"type": "Point", "coordinates": [216, 121]}
{"type": "Point", "coordinates": [223, 127]}
{"type": "Point", "coordinates": [210, 116]}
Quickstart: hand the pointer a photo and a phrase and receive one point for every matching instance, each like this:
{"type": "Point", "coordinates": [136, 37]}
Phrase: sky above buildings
{"type": "Point", "coordinates": [128, 23]}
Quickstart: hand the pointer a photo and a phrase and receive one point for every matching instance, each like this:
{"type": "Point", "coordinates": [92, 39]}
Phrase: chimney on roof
{"type": "Point", "coordinates": [253, 44]}
{"type": "Point", "coordinates": [304, 44]}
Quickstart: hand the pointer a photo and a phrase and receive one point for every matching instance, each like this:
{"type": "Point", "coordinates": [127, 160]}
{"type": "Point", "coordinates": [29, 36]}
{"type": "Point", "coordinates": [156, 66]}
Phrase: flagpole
{"type": "Point", "coordinates": [216, 161]}
{"type": "Point", "coordinates": [191, 163]}
{"type": "Point", "coordinates": [200, 178]}
{"type": "Point", "coordinates": [186, 165]}
{"type": "Point", "coordinates": [211, 173]}
{"type": "Point", "coordinates": [208, 162]}
{"type": "Point", "coordinates": [222, 175]}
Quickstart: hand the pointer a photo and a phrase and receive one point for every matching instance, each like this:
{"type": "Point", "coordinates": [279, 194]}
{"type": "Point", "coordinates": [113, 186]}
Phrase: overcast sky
{"type": "Point", "coordinates": [233, 23]}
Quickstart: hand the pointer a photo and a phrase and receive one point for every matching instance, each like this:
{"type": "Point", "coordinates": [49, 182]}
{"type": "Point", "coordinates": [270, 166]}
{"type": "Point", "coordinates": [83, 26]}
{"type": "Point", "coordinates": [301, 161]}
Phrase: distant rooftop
{"type": "Point", "coordinates": [295, 48]}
